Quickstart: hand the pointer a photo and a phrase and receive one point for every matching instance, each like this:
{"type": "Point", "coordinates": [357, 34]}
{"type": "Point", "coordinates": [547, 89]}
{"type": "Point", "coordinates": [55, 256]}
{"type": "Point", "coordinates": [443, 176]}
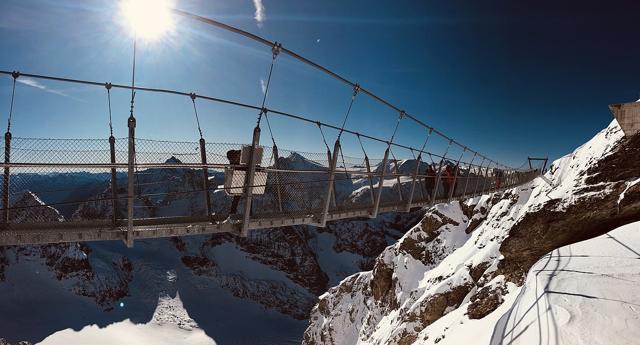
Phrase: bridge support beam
{"type": "Point", "coordinates": [376, 205]}
{"type": "Point", "coordinates": [130, 179]}
{"type": "Point", "coordinates": [370, 178]}
{"type": "Point", "coordinates": [276, 157]}
{"type": "Point", "coordinates": [205, 176]}
{"type": "Point", "coordinates": [114, 183]}
{"type": "Point", "coordinates": [332, 184]}
{"type": "Point", "coordinates": [5, 182]}
{"type": "Point", "coordinates": [332, 176]}
{"type": "Point", "coordinates": [248, 183]}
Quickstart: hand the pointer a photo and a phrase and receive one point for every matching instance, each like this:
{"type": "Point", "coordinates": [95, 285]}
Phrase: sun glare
{"type": "Point", "coordinates": [147, 19]}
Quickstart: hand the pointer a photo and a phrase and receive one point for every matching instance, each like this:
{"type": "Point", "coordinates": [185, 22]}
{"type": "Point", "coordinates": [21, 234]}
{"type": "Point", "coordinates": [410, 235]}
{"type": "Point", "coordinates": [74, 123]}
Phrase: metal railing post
{"type": "Point", "coordinates": [5, 182]}
{"type": "Point", "coordinates": [455, 176]}
{"type": "Point", "coordinates": [466, 182]}
{"type": "Point", "coordinates": [276, 157]}
{"type": "Point", "coordinates": [370, 178]}
{"type": "Point", "coordinates": [130, 179]}
{"type": "Point", "coordinates": [114, 183]}
{"type": "Point", "coordinates": [332, 175]}
{"type": "Point", "coordinates": [413, 182]}
{"type": "Point", "coordinates": [478, 177]}
{"type": "Point", "coordinates": [376, 205]}
{"type": "Point", "coordinates": [331, 185]}
{"type": "Point", "coordinates": [205, 176]}
{"type": "Point", "coordinates": [484, 184]}
{"type": "Point", "coordinates": [248, 182]}
{"type": "Point", "coordinates": [397, 173]}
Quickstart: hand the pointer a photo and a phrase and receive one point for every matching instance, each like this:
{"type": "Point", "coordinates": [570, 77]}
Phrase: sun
{"type": "Point", "coordinates": [148, 19]}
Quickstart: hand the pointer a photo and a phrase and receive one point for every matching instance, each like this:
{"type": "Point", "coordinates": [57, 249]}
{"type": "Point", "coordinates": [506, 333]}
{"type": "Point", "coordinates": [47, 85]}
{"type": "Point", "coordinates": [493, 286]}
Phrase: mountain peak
{"type": "Point", "coordinates": [173, 160]}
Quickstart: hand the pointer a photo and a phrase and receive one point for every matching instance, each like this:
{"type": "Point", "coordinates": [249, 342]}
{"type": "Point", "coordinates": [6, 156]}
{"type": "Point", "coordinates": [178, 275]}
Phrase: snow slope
{"type": "Point", "coordinates": [464, 263]}
{"type": "Point", "coordinates": [584, 293]}
{"type": "Point", "coordinates": [170, 325]}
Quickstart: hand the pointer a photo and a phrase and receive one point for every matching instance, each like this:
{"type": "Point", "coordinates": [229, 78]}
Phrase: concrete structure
{"type": "Point", "coordinates": [628, 116]}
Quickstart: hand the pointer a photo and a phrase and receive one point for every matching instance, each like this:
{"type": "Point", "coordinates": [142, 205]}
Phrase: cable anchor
{"type": "Point", "coordinates": [276, 49]}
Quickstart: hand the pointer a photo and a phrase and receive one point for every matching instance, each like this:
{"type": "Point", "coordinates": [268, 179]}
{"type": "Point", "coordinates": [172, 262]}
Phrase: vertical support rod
{"type": "Point", "coordinates": [276, 157]}
{"type": "Point", "coordinates": [370, 178]}
{"type": "Point", "coordinates": [248, 183]}
{"type": "Point", "coordinates": [5, 182]}
{"type": "Point", "coordinates": [376, 205]}
{"type": "Point", "coordinates": [466, 182]}
{"type": "Point", "coordinates": [395, 165]}
{"type": "Point", "coordinates": [413, 182]}
{"type": "Point", "coordinates": [332, 184]}
{"type": "Point", "coordinates": [455, 176]}
{"type": "Point", "coordinates": [479, 175]}
{"type": "Point", "coordinates": [332, 175]}
{"type": "Point", "coordinates": [114, 183]}
{"type": "Point", "coordinates": [130, 178]}
{"type": "Point", "coordinates": [205, 176]}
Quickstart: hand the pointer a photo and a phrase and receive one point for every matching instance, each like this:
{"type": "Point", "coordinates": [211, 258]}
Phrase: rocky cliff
{"type": "Point", "coordinates": [467, 258]}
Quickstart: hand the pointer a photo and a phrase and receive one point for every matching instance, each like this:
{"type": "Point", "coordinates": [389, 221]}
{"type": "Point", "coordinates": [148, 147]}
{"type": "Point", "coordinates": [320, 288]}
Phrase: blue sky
{"type": "Point", "coordinates": [507, 79]}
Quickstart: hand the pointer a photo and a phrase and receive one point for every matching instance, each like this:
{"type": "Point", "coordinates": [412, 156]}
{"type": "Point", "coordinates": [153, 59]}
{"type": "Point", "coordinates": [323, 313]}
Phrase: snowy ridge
{"type": "Point", "coordinates": [467, 261]}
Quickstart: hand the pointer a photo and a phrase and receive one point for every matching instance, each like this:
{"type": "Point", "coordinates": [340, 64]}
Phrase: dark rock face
{"type": "Point", "coordinates": [435, 307]}
{"type": "Point", "coordinates": [382, 286]}
{"type": "Point", "coordinates": [485, 301]}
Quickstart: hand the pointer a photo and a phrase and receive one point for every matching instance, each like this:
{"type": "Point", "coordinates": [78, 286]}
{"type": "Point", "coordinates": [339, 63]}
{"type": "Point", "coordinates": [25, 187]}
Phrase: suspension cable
{"type": "Point", "coordinates": [275, 50]}
{"type": "Point", "coordinates": [195, 111]}
{"type": "Point", "coordinates": [133, 76]}
{"type": "Point", "coordinates": [356, 89]}
{"type": "Point", "coordinates": [208, 98]}
{"type": "Point", "coordinates": [324, 139]}
{"type": "Point", "coordinates": [108, 87]}
{"type": "Point", "coordinates": [15, 76]}
{"type": "Point", "coordinates": [395, 130]}
{"type": "Point", "coordinates": [361, 146]}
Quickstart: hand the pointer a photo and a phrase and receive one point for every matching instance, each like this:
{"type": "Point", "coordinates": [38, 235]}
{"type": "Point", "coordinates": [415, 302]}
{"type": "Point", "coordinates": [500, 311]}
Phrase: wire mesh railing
{"type": "Point", "coordinates": [71, 181]}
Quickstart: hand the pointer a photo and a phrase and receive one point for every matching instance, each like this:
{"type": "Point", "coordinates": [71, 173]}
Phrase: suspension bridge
{"type": "Point", "coordinates": [68, 190]}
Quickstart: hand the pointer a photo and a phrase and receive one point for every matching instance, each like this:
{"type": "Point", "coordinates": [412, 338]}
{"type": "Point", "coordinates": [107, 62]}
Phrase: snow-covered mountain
{"type": "Point", "coordinates": [460, 263]}
{"type": "Point", "coordinates": [270, 279]}
{"type": "Point", "coordinates": [459, 274]}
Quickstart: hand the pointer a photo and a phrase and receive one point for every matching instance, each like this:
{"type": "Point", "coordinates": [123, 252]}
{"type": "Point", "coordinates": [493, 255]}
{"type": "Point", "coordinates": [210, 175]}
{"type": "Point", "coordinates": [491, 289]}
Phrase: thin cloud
{"type": "Point", "coordinates": [263, 85]}
{"type": "Point", "coordinates": [35, 84]}
{"type": "Point", "coordinates": [260, 15]}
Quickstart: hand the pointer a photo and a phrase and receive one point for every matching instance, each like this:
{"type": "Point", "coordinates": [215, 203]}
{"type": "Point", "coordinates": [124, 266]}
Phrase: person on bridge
{"type": "Point", "coordinates": [499, 175]}
{"type": "Point", "coordinates": [430, 180]}
{"type": "Point", "coordinates": [448, 180]}
{"type": "Point", "coordinates": [234, 159]}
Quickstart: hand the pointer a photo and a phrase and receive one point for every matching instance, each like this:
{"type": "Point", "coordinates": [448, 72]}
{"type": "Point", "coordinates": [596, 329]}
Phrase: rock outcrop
{"type": "Point", "coordinates": [469, 257]}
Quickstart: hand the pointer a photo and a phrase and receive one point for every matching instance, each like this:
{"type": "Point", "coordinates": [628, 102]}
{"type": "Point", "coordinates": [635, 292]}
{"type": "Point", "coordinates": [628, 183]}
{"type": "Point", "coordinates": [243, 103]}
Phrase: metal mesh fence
{"type": "Point", "coordinates": [72, 180]}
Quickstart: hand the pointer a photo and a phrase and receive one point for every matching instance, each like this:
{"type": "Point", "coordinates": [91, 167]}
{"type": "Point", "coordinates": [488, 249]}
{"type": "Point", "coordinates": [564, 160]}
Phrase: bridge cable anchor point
{"type": "Point", "coordinates": [193, 96]}
{"type": "Point", "coordinates": [276, 49]}
{"type": "Point", "coordinates": [108, 86]}
{"type": "Point", "coordinates": [15, 74]}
